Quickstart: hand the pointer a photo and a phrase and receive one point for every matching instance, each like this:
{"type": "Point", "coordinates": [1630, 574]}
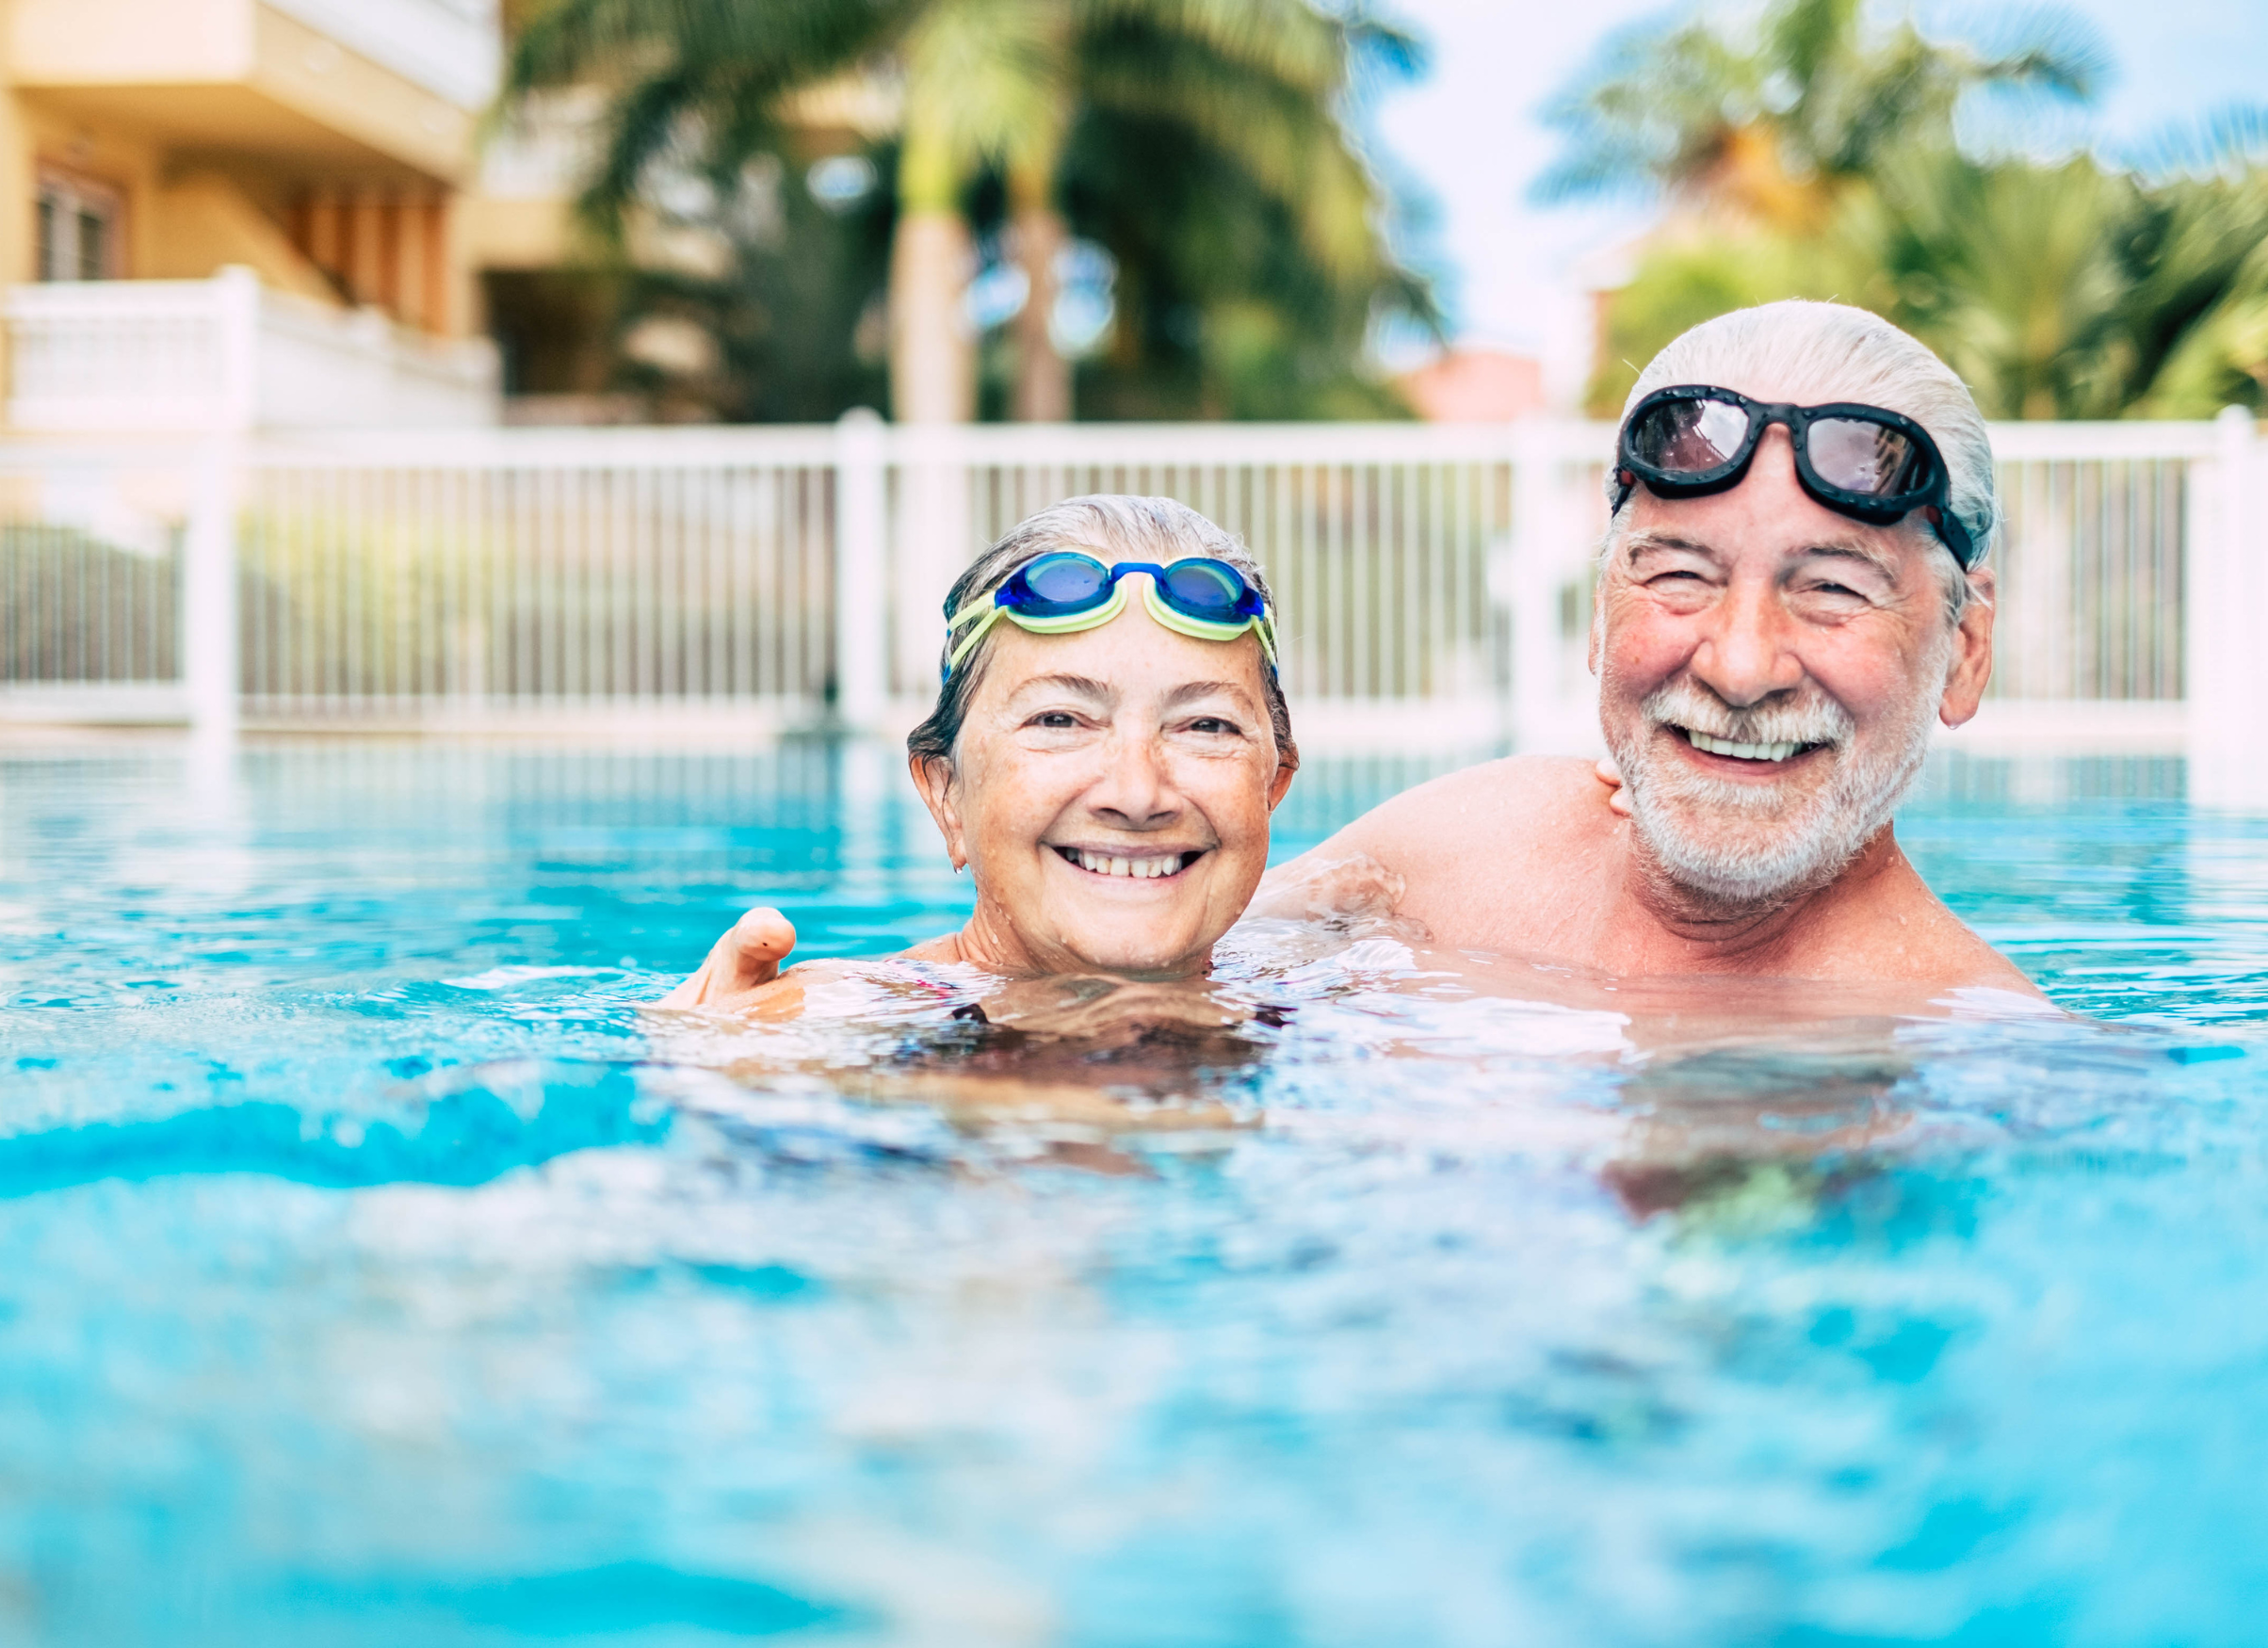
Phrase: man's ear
{"type": "Point", "coordinates": [1972, 669]}
{"type": "Point", "coordinates": [934, 777]}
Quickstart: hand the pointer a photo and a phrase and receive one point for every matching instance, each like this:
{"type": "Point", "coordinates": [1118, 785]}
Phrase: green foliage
{"type": "Point", "coordinates": [1814, 157]}
{"type": "Point", "coordinates": [1683, 282]}
{"type": "Point", "coordinates": [1245, 227]}
{"type": "Point", "coordinates": [1772, 119]}
{"type": "Point", "coordinates": [785, 315]}
{"type": "Point", "coordinates": [2064, 291]}
{"type": "Point", "coordinates": [74, 609]}
{"type": "Point", "coordinates": [1221, 311]}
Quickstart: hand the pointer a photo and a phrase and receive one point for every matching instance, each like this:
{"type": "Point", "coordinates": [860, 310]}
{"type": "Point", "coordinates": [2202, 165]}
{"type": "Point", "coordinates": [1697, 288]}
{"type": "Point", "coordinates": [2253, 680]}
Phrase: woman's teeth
{"type": "Point", "coordinates": [1103, 864]}
{"type": "Point", "coordinates": [1742, 752]}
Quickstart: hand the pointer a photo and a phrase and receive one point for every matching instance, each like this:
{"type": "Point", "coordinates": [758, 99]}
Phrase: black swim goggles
{"type": "Point", "coordinates": [1858, 460]}
{"type": "Point", "coordinates": [1066, 590]}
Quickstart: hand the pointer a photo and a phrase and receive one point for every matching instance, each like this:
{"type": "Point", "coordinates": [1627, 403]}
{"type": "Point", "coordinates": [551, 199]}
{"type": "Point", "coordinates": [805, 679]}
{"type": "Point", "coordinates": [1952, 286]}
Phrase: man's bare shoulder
{"type": "Point", "coordinates": [1889, 924]}
{"type": "Point", "coordinates": [1481, 858]}
{"type": "Point", "coordinates": [1517, 804]}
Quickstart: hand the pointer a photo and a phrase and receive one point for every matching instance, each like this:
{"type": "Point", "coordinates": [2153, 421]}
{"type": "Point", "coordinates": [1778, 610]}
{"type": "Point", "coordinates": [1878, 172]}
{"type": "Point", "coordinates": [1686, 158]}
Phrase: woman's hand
{"type": "Point", "coordinates": [742, 962]}
{"type": "Point", "coordinates": [1618, 799]}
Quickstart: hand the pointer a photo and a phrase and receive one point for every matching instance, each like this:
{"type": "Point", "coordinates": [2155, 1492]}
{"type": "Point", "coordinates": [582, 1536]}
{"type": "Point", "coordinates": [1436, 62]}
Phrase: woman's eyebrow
{"type": "Point", "coordinates": [1080, 686]}
{"type": "Point", "coordinates": [1189, 691]}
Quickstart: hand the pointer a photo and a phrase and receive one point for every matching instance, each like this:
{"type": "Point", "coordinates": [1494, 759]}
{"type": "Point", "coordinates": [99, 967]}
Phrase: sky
{"type": "Point", "coordinates": [1470, 134]}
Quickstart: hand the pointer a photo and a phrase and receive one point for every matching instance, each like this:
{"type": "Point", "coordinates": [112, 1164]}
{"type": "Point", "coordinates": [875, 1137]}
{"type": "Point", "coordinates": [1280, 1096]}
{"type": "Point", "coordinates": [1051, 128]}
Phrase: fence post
{"type": "Point", "coordinates": [1547, 551]}
{"type": "Point", "coordinates": [2225, 593]}
{"type": "Point", "coordinates": [861, 594]}
{"type": "Point", "coordinates": [211, 670]}
{"type": "Point", "coordinates": [211, 657]}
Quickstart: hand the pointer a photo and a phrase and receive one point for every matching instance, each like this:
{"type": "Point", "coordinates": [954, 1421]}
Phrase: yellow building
{"type": "Point", "coordinates": [250, 213]}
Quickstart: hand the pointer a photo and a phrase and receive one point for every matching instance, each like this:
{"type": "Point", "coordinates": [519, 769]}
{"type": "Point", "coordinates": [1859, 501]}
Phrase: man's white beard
{"type": "Point", "coordinates": [1750, 844]}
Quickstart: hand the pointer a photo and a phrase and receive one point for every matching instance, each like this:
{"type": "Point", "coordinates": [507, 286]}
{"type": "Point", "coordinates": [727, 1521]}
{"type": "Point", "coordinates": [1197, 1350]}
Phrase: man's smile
{"type": "Point", "coordinates": [1755, 754]}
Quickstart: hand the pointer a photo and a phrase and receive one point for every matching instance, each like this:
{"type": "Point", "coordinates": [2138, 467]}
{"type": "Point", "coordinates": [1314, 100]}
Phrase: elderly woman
{"type": "Point", "coordinates": [1109, 741]}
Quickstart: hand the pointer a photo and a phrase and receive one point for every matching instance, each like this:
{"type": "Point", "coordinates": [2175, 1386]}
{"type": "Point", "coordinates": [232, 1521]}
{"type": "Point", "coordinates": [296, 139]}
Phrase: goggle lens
{"type": "Point", "coordinates": [1203, 589]}
{"type": "Point", "coordinates": [1063, 582]}
{"type": "Point", "coordinates": [1860, 456]}
{"type": "Point", "coordinates": [1690, 437]}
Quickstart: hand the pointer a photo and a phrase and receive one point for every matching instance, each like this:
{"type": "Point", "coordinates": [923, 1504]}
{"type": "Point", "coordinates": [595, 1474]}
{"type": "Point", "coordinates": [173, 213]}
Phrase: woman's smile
{"type": "Point", "coordinates": [1147, 864]}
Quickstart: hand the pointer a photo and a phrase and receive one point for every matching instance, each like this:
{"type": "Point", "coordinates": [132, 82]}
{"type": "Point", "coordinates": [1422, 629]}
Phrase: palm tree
{"type": "Point", "coordinates": [1769, 125]}
{"type": "Point", "coordinates": [2062, 291]}
{"type": "Point", "coordinates": [987, 87]}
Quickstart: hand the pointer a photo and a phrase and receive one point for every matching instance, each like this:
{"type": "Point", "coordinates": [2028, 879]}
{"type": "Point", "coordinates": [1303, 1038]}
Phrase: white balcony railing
{"type": "Point", "coordinates": [165, 356]}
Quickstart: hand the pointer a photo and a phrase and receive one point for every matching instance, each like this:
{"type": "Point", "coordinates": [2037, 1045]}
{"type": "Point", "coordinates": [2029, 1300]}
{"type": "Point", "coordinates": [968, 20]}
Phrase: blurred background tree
{"type": "Point", "coordinates": [1815, 153]}
{"type": "Point", "coordinates": [1167, 188]}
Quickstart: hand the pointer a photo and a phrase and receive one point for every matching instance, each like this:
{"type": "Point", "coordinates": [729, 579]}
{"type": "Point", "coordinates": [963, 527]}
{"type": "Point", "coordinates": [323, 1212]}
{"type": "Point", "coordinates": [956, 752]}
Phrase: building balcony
{"type": "Point", "coordinates": [225, 354]}
{"type": "Point", "coordinates": [367, 83]}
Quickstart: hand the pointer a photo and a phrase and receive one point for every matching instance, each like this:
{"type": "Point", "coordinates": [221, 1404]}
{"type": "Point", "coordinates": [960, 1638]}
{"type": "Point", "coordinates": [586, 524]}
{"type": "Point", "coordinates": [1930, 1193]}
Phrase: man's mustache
{"type": "Point", "coordinates": [1808, 717]}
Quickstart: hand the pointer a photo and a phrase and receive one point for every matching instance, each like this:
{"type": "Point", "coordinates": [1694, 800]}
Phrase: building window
{"type": "Point", "coordinates": [78, 230]}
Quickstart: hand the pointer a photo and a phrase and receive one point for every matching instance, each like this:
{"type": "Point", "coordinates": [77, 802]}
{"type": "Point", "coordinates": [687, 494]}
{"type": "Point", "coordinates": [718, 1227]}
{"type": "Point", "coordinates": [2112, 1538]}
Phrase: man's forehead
{"type": "Point", "coordinates": [1798, 388]}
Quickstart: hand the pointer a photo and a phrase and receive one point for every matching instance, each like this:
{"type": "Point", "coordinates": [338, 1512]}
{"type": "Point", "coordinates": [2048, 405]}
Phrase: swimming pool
{"type": "Point", "coordinates": [371, 1276]}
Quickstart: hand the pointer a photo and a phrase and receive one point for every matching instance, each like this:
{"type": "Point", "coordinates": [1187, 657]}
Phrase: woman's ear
{"type": "Point", "coordinates": [1287, 767]}
{"type": "Point", "coordinates": [934, 777]}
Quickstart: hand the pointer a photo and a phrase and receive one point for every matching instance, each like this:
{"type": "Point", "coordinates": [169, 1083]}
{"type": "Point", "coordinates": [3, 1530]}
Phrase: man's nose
{"type": "Point", "coordinates": [1746, 652]}
{"type": "Point", "coordinates": [1137, 790]}
{"type": "Point", "coordinates": [1747, 647]}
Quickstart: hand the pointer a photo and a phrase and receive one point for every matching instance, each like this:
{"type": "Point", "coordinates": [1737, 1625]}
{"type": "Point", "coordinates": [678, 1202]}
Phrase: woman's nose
{"type": "Point", "coordinates": [1136, 790]}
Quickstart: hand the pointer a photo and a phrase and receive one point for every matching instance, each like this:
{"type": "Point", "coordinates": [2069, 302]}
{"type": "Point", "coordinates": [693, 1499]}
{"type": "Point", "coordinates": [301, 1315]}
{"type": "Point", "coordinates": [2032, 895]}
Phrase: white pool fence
{"type": "Point", "coordinates": [1434, 579]}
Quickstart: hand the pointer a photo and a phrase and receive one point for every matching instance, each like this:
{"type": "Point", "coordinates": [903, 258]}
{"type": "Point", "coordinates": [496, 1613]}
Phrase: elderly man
{"type": "Point", "coordinates": [1792, 588]}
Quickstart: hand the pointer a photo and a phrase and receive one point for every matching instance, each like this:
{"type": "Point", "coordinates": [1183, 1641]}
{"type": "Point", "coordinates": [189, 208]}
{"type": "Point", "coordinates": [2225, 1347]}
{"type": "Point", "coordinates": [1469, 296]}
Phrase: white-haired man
{"type": "Point", "coordinates": [1791, 591]}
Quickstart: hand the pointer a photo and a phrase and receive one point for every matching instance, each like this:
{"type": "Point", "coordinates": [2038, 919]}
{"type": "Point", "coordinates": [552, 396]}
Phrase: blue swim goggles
{"type": "Point", "coordinates": [1065, 592]}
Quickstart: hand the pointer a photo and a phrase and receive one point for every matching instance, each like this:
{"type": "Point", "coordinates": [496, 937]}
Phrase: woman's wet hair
{"type": "Point", "coordinates": [1112, 527]}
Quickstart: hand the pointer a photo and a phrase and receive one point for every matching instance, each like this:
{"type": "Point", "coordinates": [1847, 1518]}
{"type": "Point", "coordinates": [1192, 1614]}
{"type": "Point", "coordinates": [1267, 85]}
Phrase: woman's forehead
{"type": "Point", "coordinates": [1132, 657]}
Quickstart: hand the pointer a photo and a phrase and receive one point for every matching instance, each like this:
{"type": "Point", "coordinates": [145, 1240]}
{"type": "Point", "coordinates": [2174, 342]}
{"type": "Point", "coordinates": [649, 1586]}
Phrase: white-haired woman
{"type": "Point", "coordinates": [1109, 741]}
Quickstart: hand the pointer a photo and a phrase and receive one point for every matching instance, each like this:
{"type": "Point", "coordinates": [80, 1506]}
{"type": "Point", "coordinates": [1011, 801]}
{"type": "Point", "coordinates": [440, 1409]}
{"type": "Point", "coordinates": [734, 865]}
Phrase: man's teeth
{"type": "Point", "coordinates": [1102, 864]}
{"type": "Point", "coordinates": [1742, 751]}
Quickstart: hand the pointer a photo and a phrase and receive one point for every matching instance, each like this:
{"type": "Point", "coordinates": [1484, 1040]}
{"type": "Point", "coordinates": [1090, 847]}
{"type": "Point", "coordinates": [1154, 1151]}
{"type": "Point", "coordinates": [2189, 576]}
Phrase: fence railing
{"type": "Point", "coordinates": [1433, 581]}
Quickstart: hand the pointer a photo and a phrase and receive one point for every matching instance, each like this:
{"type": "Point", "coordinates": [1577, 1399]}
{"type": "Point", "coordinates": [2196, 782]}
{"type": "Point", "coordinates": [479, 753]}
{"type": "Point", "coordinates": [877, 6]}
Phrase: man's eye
{"type": "Point", "coordinates": [1212, 724]}
{"type": "Point", "coordinates": [1055, 718]}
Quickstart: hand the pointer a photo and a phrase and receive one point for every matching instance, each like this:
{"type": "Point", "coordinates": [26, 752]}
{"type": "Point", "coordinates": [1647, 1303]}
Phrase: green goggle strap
{"type": "Point", "coordinates": [988, 611]}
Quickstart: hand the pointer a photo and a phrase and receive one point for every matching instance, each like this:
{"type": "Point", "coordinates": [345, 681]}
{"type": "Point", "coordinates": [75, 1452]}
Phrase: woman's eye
{"type": "Point", "coordinates": [1055, 719]}
{"type": "Point", "coordinates": [1212, 724]}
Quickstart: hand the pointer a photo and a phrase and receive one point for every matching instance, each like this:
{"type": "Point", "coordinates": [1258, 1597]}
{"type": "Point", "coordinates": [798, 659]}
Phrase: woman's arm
{"type": "Point", "coordinates": [740, 966]}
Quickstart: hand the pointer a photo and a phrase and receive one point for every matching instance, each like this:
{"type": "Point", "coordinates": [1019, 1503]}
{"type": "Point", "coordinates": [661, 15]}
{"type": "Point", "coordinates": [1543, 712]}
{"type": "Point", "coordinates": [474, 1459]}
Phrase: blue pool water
{"type": "Point", "coordinates": [371, 1273]}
